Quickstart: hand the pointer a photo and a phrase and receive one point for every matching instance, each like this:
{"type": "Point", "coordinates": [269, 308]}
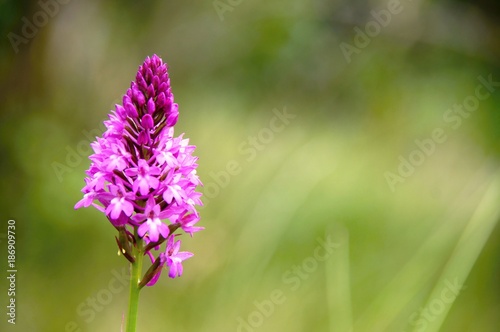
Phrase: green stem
{"type": "Point", "coordinates": [134, 285]}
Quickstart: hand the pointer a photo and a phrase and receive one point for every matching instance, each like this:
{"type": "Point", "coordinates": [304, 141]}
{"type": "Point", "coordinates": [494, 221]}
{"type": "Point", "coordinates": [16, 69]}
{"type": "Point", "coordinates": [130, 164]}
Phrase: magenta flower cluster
{"type": "Point", "coordinates": [140, 174]}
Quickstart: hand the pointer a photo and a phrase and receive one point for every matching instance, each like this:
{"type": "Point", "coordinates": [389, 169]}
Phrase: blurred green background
{"type": "Point", "coordinates": [373, 158]}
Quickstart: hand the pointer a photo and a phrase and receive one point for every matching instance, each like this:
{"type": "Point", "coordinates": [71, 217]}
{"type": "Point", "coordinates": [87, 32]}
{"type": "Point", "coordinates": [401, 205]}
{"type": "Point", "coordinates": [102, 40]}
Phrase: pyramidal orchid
{"type": "Point", "coordinates": [144, 179]}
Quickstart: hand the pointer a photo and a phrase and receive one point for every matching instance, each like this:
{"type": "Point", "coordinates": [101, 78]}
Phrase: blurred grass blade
{"type": "Point", "coordinates": [338, 287]}
{"type": "Point", "coordinates": [394, 300]}
{"type": "Point", "coordinates": [466, 251]}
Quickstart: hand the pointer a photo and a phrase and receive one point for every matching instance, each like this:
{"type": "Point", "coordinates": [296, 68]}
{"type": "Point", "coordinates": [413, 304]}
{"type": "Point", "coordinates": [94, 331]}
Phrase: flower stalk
{"type": "Point", "coordinates": [135, 288]}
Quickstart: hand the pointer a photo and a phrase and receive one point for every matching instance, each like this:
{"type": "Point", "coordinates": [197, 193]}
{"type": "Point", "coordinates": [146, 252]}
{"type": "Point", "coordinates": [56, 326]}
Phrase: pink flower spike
{"type": "Point", "coordinates": [141, 176]}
